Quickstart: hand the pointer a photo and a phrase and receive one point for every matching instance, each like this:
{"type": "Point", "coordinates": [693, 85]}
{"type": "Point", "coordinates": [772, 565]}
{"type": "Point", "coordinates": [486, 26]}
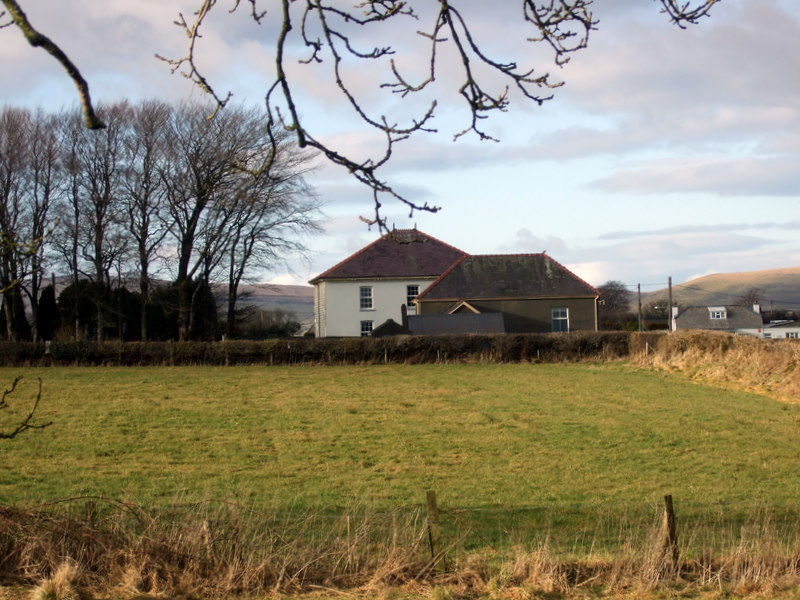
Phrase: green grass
{"type": "Point", "coordinates": [575, 448]}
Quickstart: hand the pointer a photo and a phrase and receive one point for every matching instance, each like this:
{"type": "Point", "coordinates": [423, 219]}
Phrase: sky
{"type": "Point", "coordinates": [666, 153]}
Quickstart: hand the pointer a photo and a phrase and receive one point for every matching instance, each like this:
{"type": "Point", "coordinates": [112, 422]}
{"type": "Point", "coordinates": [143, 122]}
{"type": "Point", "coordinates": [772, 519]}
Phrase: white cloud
{"type": "Point", "coordinates": [524, 241]}
{"type": "Point", "coordinates": [718, 175]}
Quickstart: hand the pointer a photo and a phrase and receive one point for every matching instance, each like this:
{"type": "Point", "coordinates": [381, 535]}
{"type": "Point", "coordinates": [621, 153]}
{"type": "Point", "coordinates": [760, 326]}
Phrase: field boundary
{"type": "Point", "coordinates": [770, 367]}
{"type": "Point", "coordinates": [502, 348]}
{"type": "Point", "coordinates": [92, 545]}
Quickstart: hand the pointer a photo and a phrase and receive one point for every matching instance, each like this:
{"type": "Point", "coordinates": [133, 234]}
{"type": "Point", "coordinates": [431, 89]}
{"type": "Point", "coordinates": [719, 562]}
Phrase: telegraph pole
{"type": "Point", "coordinates": [669, 318]}
{"type": "Point", "coordinates": [639, 295]}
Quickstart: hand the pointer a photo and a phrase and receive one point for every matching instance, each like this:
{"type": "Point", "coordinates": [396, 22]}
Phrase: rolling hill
{"type": "Point", "coordinates": [776, 289]}
{"type": "Point", "coordinates": [297, 299]}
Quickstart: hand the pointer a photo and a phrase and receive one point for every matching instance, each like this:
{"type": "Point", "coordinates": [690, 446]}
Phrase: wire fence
{"type": "Point", "coordinates": [580, 528]}
{"type": "Point", "coordinates": [601, 527]}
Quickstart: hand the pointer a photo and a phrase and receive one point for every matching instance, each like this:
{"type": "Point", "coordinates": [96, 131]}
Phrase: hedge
{"type": "Point", "coordinates": [335, 351]}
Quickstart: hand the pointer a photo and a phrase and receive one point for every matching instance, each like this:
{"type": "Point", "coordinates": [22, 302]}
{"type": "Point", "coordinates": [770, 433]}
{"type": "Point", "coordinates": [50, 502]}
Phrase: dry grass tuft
{"type": "Point", "coordinates": [59, 586]}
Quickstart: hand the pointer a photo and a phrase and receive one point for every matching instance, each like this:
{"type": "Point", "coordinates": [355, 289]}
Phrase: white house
{"type": "Point", "coordinates": [780, 330]}
{"type": "Point", "coordinates": [371, 286]}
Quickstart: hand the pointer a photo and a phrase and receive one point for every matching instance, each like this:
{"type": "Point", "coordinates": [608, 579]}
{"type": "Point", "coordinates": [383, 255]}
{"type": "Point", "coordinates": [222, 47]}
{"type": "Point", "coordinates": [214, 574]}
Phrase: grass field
{"type": "Point", "coordinates": [561, 446]}
{"type": "Point", "coordinates": [550, 478]}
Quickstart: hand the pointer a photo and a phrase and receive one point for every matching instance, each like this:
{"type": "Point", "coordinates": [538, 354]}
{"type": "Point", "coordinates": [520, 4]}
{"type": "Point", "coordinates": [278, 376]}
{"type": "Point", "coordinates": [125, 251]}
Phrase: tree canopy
{"type": "Point", "coordinates": [161, 192]}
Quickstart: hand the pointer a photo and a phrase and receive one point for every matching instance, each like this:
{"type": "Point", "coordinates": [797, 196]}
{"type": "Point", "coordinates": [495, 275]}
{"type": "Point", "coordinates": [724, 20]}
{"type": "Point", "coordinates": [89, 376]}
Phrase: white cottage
{"type": "Point", "coordinates": [371, 286]}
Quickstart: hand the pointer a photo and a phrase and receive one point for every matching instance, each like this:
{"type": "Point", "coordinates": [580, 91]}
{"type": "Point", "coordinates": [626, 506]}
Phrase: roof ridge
{"type": "Point", "coordinates": [498, 254]}
{"type": "Point", "coordinates": [446, 272]}
{"type": "Point", "coordinates": [433, 238]}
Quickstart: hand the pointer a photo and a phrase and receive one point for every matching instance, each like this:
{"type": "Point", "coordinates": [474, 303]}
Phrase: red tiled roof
{"type": "Point", "coordinates": [399, 253]}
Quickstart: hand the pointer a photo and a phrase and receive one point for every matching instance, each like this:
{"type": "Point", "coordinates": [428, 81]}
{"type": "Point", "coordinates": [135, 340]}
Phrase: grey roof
{"type": "Point", "coordinates": [390, 327]}
{"type": "Point", "coordinates": [399, 253]}
{"type": "Point", "coordinates": [699, 317]}
{"type": "Point", "coordinates": [507, 276]}
{"type": "Point", "coordinates": [785, 325]}
{"type": "Point", "coordinates": [457, 323]}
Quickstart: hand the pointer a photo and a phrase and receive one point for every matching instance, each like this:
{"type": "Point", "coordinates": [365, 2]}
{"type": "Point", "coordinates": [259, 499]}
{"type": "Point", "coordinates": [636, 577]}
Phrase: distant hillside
{"type": "Point", "coordinates": [298, 299]}
{"type": "Point", "coordinates": [778, 289]}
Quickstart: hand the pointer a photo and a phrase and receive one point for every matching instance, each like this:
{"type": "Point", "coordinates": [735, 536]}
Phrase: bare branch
{"type": "Point", "coordinates": [187, 66]}
{"type": "Point", "coordinates": [38, 40]}
{"type": "Point", "coordinates": [27, 422]}
{"type": "Point", "coordinates": [684, 13]}
{"type": "Point", "coordinates": [564, 25]}
{"type": "Point", "coordinates": [325, 29]}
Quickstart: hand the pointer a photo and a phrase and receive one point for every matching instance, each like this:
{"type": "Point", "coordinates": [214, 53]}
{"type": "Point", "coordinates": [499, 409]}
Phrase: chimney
{"type": "Point", "coordinates": [757, 308]}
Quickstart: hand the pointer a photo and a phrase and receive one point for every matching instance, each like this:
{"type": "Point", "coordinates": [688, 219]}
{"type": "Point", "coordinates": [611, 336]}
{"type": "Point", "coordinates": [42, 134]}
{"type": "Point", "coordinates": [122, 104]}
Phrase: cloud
{"type": "Point", "coordinates": [524, 241]}
{"type": "Point", "coordinates": [594, 272]}
{"type": "Point", "coordinates": [701, 229]}
{"type": "Point", "coordinates": [650, 259]}
{"type": "Point", "coordinates": [723, 84]}
{"type": "Point", "coordinates": [722, 176]}
{"type": "Point", "coordinates": [644, 62]}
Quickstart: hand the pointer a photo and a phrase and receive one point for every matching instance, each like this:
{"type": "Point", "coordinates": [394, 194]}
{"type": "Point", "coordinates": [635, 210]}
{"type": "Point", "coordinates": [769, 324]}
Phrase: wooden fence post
{"type": "Point", "coordinates": [669, 542]}
{"type": "Point", "coordinates": [434, 527]}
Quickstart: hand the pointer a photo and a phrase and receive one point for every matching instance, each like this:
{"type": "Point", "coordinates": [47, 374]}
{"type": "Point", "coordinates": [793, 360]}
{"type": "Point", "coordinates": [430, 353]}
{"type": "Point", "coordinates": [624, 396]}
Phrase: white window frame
{"type": "Point", "coordinates": [366, 328]}
{"type": "Point", "coordinates": [412, 291]}
{"type": "Point", "coordinates": [792, 335]}
{"type": "Point", "coordinates": [716, 313]}
{"type": "Point", "coordinates": [365, 298]}
{"type": "Point", "coordinates": [411, 295]}
{"type": "Point", "coordinates": [560, 315]}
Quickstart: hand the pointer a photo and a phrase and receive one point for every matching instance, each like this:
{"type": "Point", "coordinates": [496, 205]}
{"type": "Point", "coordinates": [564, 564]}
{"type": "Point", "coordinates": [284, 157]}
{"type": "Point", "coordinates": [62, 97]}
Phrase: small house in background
{"type": "Point", "coordinates": [731, 319]}
{"type": "Point", "coordinates": [782, 330]}
{"type": "Point", "coordinates": [520, 293]}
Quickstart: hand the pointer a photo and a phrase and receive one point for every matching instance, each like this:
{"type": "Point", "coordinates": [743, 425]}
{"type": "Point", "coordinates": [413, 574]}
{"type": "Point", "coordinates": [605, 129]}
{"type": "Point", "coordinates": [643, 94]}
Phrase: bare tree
{"type": "Point", "coordinates": [752, 296]}
{"type": "Point", "coordinates": [15, 127]}
{"type": "Point", "coordinates": [336, 36]}
{"type": "Point", "coordinates": [28, 178]}
{"type": "Point", "coordinates": [614, 304]}
{"type": "Point", "coordinates": [102, 239]}
{"type": "Point", "coordinates": [203, 162]}
{"type": "Point", "coordinates": [66, 242]}
{"type": "Point", "coordinates": [159, 188]}
{"type": "Point", "coordinates": [272, 209]}
{"type": "Point", "coordinates": [44, 183]}
{"type": "Point", "coordinates": [145, 192]}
